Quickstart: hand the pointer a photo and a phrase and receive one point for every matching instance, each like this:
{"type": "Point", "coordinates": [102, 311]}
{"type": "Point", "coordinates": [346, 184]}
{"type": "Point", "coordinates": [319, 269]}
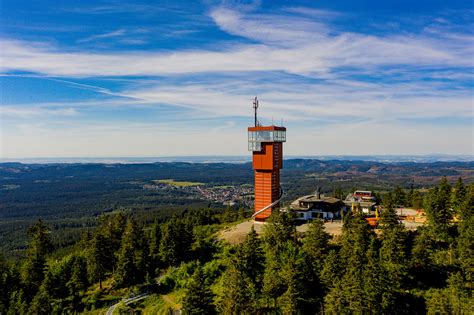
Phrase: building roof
{"type": "Point", "coordinates": [314, 199]}
{"type": "Point", "coordinates": [266, 128]}
{"type": "Point", "coordinates": [361, 203]}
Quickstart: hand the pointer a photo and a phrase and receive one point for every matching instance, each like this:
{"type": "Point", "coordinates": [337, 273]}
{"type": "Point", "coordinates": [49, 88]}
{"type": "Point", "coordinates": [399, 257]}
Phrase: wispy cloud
{"type": "Point", "coordinates": [303, 48]}
{"type": "Point", "coordinates": [303, 69]}
{"type": "Point", "coordinates": [113, 34]}
{"type": "Point", "coordinates": [315, 13]}
{"type": "Point", "coordinates": [29, 112]}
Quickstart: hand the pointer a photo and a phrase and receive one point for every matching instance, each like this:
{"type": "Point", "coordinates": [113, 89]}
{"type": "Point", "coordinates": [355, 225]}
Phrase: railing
{"type": "Point", "coordinates": [270, 205]}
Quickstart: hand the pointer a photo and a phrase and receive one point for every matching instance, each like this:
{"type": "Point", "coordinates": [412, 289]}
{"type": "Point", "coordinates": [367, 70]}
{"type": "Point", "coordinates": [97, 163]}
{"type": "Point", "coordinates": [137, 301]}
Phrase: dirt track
{"type": "Point", "coordinates": [236, 234]}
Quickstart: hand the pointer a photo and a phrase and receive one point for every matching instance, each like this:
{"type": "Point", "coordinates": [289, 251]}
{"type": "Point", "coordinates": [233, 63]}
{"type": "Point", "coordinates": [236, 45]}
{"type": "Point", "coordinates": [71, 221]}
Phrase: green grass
{"type": "Point", "coordinates": [157, 304]}
{"type": "Point", "coordinates": [172, 182]}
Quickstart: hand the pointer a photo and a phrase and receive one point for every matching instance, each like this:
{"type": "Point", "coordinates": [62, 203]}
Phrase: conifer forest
{"type": "Point", "coordinates": [179, 263]}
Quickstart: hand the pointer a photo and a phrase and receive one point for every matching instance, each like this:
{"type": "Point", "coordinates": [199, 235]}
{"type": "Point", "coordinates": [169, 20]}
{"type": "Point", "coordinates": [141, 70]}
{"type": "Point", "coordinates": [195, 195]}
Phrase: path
{"type": "Point", "coordinates": [131, 300]}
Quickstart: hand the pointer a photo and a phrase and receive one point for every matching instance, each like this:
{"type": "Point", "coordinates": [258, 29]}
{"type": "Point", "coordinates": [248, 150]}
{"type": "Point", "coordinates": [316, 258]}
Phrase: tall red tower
{"type": "Point", "coordinates": [266, 143]}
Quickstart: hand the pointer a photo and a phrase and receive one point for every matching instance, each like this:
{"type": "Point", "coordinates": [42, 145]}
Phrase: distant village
{"type": "Point", "coordinates": [305, 208]}
{"type": "Point", "coordinates": [227, 195]}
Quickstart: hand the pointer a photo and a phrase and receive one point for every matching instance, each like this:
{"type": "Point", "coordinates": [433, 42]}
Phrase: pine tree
{"type": "Point", "coordinates": [335, 302]}
{"type": "Point", "coordinates": [40, 245]}
{"type": "Point", "coordinates": [331, 270]}
{"type": "Point", "coordinates": [454, 299]}
{"type": "Point", "coordinates": [155, 239]}
{"type": "Point", "coordinates": [416, 200]}
{"type": "Point", "coordinates": [41, 304]}
{"type": "Point", "coordinates": [459, 196]}
{"type": "Point", "coordinates": [131, 259]}
{"type": "Point", "coordinates": [17, 305]}
{"type": "Point", "coordinates": [423, 249]}
{"type": "Point", "coordinates": [198, 298]}
{"type": "Point", "coordinates": [98, 258]}
{"type": "Point", "coordinates": [338, 192]}
{"type": "Point", "coordinates": [238, 294]}
{"type": "Point", "coordinates": [392, 256]}
{"type": "Point", "coordinates": [78, 282]}
{"type": "Point", "coordinates": [465, 249]}
{"type": "Point", "coordinates": [399, 196]}
{"type": "Point", "coordinates": [273, 284]}
{"type": "Point", "coordinates": [438, 209]}
{"type": "Point", "coordinates": [250, 258]}
{"type": "Point", "coordinates": [316, 245]}
{"type": "Point", "coordinates": [176, 240]}
{"type": "Point", "coordinates": [279, 230]}
{"type": "Point", "coordinates": [112, 228]}
{"type": "Point", "coordinates": [375, 288]}
{"type": "Point", "coordinates": [356, 240]}
{"type": "Point", "coordinates": [293, 272]}
{"type": "Point", "coordinates": [4, 290]}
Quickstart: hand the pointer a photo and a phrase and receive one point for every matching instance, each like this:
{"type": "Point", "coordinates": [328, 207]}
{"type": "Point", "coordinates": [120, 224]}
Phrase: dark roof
{"type": "Point", "coordinates": [313, 199]}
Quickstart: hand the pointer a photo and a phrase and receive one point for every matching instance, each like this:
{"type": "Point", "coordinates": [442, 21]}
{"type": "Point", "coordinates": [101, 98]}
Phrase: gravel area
{"type": "Point", "coordinates": [236, 234]}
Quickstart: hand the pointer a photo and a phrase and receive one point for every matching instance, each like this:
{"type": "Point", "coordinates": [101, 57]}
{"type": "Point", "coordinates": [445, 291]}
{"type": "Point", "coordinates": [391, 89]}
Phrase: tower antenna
{"type": "Point", "coordinates": [255, 106]}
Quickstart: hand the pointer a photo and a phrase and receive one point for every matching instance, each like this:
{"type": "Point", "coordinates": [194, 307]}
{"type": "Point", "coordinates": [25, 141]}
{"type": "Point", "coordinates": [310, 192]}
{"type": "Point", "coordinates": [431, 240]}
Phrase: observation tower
{"type": "Point", "coordinates": [266, 144]}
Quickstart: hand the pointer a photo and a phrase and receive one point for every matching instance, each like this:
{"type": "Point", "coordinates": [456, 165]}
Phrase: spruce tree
{"type": "Point", "coordinates": [4, 290]}
{"type": "Point", "coordinates": [316, 245]}
{"type": "Point", "coordinates": [279, 230]}
{"type": "Point", "coordinates": [18, 304]}
{"type": "Point", "coordinates": [392, 255]}
{"type": "Point", "coordinates": [416, 200]}
{"type": "Point", "coordinates": [356, 240]}
{"type": "Point", "coordinates": [293, 272]}
{"type": "Point", "coordinates": [176, 240]}
{"type": "Point", "coordinates": [112, 228]}
{"type": "Point", "coordinates": [238, 294]}
{"type": "Point", "coordinates": [78, 282]}
{"type": "Point", "coordinates": [459, 196]}
{"type": "Point", "coordinates": [438, 210]}
{"type": "Point", "coordinates": [155, 239]}
{"type": "Point", "coordinates": [375, 288]}
{"type": "Point", "coordinates": [250, 257]}
{"type": "Point", "coordinates": [331, 270]}
{"type": "Point", "coordinates": [40, 245]}
{"type": "Point", "coordinates": [131, 259]}
{"type": "Point", "coordinates": [454, 299]}
{"type": "Point", "coordinates": [423, 248]}
{"type": "Point", "coordinates": [399, 197]}
{"type": "Point", "coordinates": [41, 304]}
{"type": "Point", "coordinates": [465, 249]}
{"type": "Point", "coordinates": [198, 298]}
{"type": "Point", "coordinates": [98, 258]}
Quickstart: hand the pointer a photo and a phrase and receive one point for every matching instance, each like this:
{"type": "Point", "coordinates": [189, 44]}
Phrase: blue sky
{"type": "Point", "coordinates": [167, 78]}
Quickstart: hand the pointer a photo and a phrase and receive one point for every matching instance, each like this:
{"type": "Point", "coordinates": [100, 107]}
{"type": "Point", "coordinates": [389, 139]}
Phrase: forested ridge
{"type": "Point", "coordinates": [71, 197]}
{"type": "Point", "coordinates": [385, 271]}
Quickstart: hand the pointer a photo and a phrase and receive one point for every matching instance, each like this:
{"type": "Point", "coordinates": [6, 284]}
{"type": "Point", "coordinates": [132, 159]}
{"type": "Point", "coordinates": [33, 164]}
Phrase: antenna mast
{"type": "Point", "coordinates": [255, 106]}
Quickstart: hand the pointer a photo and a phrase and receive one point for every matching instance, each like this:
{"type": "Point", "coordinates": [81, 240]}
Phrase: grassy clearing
{"type": "Point", "coordinates": [172, 182]}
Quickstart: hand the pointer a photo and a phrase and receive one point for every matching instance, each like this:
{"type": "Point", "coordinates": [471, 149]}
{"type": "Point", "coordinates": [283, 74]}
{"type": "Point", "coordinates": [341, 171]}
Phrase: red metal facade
{"type": "Point", "coordinates": [267, 164]}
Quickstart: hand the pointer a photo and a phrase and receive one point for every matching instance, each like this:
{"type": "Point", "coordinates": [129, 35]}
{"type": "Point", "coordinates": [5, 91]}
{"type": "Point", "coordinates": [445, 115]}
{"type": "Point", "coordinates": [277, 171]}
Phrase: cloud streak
{"type": "Point", "coordinates": [326, 83]}
{"type": "Point", "coordinates": [289, 44]}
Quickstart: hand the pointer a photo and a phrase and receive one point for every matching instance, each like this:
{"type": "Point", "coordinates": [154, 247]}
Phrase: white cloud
{"type": "Point", "coordinates": [33, 111]}
{"type": "Point", "coordinates": [113, 34]}
{"type": "Point", "coordinates": [331, 112]}
{"type": "Point", "coordinates": [293, 45]}
{"type": "Point", "coordinates": [279, 30]}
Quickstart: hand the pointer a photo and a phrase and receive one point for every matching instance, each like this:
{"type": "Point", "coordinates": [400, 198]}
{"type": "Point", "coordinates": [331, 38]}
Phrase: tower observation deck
{"type": "Point", "coordinates": [266, 144]}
